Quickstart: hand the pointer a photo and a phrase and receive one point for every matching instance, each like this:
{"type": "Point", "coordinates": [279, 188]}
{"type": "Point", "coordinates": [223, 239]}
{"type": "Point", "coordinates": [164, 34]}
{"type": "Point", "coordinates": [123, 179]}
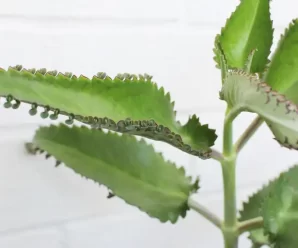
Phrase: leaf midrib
{"type": "Point", "coordinates": [115, 168]}
{"type": "Point", "coordinates": [256, 12]}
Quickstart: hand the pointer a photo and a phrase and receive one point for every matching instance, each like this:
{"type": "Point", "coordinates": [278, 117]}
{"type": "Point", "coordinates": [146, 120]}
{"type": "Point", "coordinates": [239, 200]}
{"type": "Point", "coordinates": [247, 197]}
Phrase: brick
{"type": "Point", "coordinates": [214, 13]}
{"type": "Point", "coordinates": [180, 62]}
{"type": "Point", "coordinates": [139, 230]}
{"type": "Point", "coordinates": [209, 13]}
{"type": "Point", "coordinates": [49, 238]}
{"type": "Point", "coordinates": [34, 192]}
{"type": "Point", "coordinates": [92, 9]}
{"type": "Point", "coordinates": [89, 36]}
{"type": "Point", "coordinates": [283, 12]}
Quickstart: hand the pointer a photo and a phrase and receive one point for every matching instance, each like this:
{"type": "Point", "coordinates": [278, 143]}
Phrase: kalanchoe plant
{"type": "Point", "coordinates": [111, 111]}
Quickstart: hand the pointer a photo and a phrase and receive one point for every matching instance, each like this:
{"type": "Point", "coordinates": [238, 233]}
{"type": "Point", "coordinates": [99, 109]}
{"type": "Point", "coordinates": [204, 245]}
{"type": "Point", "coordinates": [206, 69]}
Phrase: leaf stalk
{"type": "Point", "coordinates": [249, 225]}
{"type": "Point", "coordinates": [228, 148]}
{"type": "Point", "coordinates": [204, 212]}
{"type": "Point", "coordinates": [248, 133]}
{"type": "Point", "coordinates": [216, 155]}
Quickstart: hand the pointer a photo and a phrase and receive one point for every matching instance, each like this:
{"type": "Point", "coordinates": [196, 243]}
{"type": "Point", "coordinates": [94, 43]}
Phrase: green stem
{"type": "Point", "coordinates": [229, 181]}
{"type": "Point", "coordinates": [248, 133]}
{"type": "Point", "coordinates": [216, 155]}
{"type": "Point", "coordinates": [251, 224]}
{"type": "Point", "coordinates": [228, 147]}
{"type": "Point", "coordinates": [229, 227]}
{"type": "Point", "coordinates": [228, 137]}
{"type": "Point", "coordinates": [231, 239]}
{"type": "Point", "coordinates": [204, 212]}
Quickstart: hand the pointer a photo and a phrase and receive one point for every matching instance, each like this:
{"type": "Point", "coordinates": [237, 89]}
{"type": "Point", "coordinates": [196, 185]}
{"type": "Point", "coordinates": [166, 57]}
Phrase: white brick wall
{"type": "Point", "coordinates": [171, 39]}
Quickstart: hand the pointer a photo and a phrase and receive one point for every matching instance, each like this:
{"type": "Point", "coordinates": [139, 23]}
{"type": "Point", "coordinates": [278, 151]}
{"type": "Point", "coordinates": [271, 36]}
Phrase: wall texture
{"type": "Point", "coordinates": [171, 39]}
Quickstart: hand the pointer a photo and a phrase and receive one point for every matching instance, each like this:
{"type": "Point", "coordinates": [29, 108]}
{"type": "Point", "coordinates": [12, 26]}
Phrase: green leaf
{"type": "Point", "coordinates": [220, 57]}
{"type": "Point", "coordinates": [291, 92]}
{"type": "Point", "coordinates": [127, 104]}
{"type": "Point", "coordinates": [280, 211]}
{"type": "Point", "coordinates": [131, 169]}
{"type": "Point", "coordinates": [245, 92]}
{"type": "Point", "coordinates": [283, 77]}
{"type": "Point", "coordinates": [282, 72]}
{"type": "Point", "coordinates": [252, 208]}
{"type": "Point", "coordinates": [218, 54]}
{"type": "Point", "coordinates": [248, 28]}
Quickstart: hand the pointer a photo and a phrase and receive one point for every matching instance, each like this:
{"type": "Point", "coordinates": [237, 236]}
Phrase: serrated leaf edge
{"type": "Point", "coordinates": [246, 203]}
{"type": "Point", "coordinates": [145, 128]}
{"type": "Point", "coordinates": [217, 37]}
{"type": "Point", "coordinates": [263, 87]}
{"type": "Point", "coordinates": [33, 149]}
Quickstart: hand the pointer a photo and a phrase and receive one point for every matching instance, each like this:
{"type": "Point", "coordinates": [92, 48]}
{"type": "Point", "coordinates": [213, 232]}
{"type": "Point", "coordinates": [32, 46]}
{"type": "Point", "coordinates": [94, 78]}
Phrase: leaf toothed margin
{"type": "Point", "coordinates": [247, 92]}
{"type": "Point", "coordinates": [103, 102]}
{"type": "Point", "coordinates": [252, 207]}
{"type": "Point", "coordinates": [131, 169]}
{"type": "Point", "coordinates": [248, 28]}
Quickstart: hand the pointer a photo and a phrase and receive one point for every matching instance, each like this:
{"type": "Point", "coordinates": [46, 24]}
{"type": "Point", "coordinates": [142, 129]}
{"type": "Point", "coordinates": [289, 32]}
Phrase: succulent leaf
{"type": "Point", "coordinates": [252, 208]}
{"type": "Point", "coordinates": [247, 92]}
{"type": "Point", "coordinates": [131, 169]}
{"type": "Point", "coordinates": [248, 28]}
{"type": "Point", "coordinates": [127, 104]}
{"type": "Point", "coordinates": [280, 211]}
{"type": "Point", "coordinates": [283, 77]}
{"type": "Point", "coordinates": [282, 72]}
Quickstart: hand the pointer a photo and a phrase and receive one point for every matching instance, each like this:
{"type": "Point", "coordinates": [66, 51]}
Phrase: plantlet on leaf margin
{"type": "Point", "coordinates": [130, 105]}
{"type": "Point", "coordinates": [94, 105]}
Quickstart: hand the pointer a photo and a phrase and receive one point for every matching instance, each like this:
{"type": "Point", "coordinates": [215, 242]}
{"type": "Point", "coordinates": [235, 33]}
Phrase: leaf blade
{"type": "Point", "coordinates": [246, 91]}
{"type": "Point", "coordinates": [104, 102]}
{"type": "Point", "coordinates": [281, 75]}
{"type": "Point", "coordinates": [130, 168]}
{"type": "Point", "coordinates": [248, 28]}
{"type": "Point", "coordinates": [280, 211]}
{"type": "Point", "coordinates": [252, 208]}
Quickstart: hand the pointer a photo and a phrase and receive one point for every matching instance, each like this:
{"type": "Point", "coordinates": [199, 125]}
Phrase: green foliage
{"type": "Point", "coordinates": [282, 77]}
{"type": "Point", "coordinates": [282, 74]}
{"type": "Point", "coordinates": [253, 207]}
{"type": "Point", "coordinates": [248, 28]}
{"type": "Point", "coordinates": [107, 103]}
{"type": "Point", "coordinates": [280, 211]}
{"type": "Point", "coordinates": [133, 105]}
{"type": "Point", "coordinates": [247, 93]}
{"type": "Point", "coordinates": [129, 168]}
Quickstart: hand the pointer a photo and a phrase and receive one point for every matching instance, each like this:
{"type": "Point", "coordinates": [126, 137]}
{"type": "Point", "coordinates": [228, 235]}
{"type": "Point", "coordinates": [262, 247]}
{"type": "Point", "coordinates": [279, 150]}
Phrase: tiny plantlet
{"type": "Point", "coordinates": [103, 116]}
